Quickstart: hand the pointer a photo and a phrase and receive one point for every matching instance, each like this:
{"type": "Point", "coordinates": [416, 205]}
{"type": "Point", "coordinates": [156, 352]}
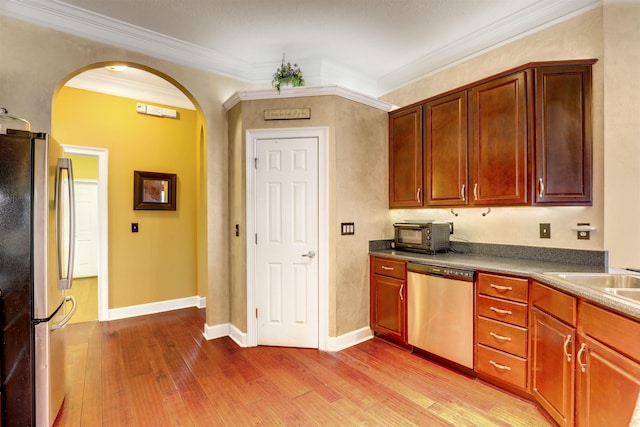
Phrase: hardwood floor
{"type": "Point", "coordinates": [159, 370]}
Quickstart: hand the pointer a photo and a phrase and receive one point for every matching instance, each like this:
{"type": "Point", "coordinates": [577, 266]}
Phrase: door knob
{"type": "Point", "coordinates": [310, 254]}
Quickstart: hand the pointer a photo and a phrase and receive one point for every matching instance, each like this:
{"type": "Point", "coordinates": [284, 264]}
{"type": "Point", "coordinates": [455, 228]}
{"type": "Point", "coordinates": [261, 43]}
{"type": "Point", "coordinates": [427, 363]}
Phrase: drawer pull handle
{"type": "Point", "coordinates": [401, 292]}
{"type": "Point", "coordinates": [567, 341]}
{"type": "Point", "coordinates": [500, 288]}
{"type": "Point", "coordinates": [384, 267]}
{"type": "Point", "coordinates": [499, 337]}
{"type": "Point", "coordinates": [500, 311]}
{"type": "Point", "coordinates": [583, 366]}
{"type": "Point", "coordinates": [499, 366]}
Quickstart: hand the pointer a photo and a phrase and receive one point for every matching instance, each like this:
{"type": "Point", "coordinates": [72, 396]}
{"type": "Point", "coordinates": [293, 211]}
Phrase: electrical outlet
{"type": "Point", "coordinates": [545, 231]}
{"type": "Point", "coordinates": [584, 234]}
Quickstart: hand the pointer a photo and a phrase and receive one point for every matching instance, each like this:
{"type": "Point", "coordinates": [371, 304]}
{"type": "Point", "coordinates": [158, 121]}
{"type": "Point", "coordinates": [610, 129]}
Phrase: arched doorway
{"type": "Point", "coordinates": [155, 268]}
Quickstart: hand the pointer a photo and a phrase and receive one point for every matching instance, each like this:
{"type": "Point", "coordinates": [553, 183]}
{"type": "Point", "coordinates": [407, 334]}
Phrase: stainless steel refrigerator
{"type": "Point", "coordinates": [36, 261]}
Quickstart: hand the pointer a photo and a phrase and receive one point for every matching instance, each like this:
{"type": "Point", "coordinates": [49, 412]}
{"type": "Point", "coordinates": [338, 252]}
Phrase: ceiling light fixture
{"type": "Point", "coordinates": [116, 67]}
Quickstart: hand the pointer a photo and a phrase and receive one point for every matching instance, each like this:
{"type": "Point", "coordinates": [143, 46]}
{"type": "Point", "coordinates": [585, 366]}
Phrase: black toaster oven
{"type": "Point", "coordinates": [424, 237]}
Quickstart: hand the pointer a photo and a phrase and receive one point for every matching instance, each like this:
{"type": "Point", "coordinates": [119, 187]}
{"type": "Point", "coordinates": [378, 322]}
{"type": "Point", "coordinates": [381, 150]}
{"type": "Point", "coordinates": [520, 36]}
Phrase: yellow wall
{"type": "Point", "coordinates": [159, 262]}
{"type": "Point", "coordinates": [84, 167]}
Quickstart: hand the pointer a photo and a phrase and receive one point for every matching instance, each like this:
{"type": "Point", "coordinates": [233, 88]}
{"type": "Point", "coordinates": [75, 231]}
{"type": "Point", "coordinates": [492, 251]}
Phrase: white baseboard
{"type": "Point", "coordinates": [349, 339]}
{"type": "Point", "coordinates": [334, 344]}
{"type": "Point", "coordinates": [216, 331]}
{"type": "Point", "coordinates": [239, 337]}
{"type": "Point", "coordinates": [156, 307]}
{"type": "Point", "coordinates": [202, 302]}
{"type": "Point", "coordinates": [225, 330]}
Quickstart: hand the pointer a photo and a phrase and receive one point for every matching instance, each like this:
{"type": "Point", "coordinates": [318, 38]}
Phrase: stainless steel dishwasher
{"type": "Point", "coordinates": [440, 312]}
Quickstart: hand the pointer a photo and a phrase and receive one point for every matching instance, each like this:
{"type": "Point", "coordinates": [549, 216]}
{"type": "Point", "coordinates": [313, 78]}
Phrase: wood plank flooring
{"type": "Point", "coordinates": [159, 370]}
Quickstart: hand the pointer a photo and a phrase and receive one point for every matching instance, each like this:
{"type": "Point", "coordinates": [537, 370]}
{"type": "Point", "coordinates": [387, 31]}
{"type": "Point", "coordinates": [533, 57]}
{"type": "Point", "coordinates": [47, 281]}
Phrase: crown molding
{"type": "Point", "coordinates": [297, 92]}
{"type": "Point", "coordinates": [518, 25]}
{"type": "Point", "coordinates": [73, 20]}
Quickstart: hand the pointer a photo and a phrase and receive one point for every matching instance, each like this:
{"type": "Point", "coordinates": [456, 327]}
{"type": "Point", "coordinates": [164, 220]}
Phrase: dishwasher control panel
{"type": "Point", "coordinates": [448, 272]}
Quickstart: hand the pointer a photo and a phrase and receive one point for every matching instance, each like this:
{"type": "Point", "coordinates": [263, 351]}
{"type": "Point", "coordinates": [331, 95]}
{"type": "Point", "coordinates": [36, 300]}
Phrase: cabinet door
{"type": "Point", "coordinates": [388, 313]}
{"type": "Point", "coordinates": [608, 386]}
{"type": "Point", "coordinates": [499, 121]}
{"type": "Point", "coordinates": [553, 361]}
{"type": "Point", "coordinates": [405, 158]}
{"type": "Point", "coordinates": [445, 164]}
{"type": "Point", "coordinates": [563, 135]}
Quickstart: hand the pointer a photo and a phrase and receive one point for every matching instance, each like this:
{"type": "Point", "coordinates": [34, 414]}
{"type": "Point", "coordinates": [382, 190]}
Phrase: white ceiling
{"type": "Point", "coordinates": [368, 46]}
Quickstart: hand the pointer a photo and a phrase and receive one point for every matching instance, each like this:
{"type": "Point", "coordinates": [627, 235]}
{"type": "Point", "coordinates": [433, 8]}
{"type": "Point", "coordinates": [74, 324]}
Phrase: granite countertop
{"type": "Point", "coordinates": [535, 269]}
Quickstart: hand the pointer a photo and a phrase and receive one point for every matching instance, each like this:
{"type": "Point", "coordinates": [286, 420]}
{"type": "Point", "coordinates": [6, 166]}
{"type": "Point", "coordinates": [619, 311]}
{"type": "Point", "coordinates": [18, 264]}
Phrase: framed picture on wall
{"type": "Point", "coordinates": [154, 191]}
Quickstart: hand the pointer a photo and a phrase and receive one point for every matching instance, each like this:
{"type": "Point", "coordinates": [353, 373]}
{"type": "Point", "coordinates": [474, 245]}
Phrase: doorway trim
{"type": "Point", "coordinates": [252, 137]}
{"type": "Point", "coordinates": [103, 227]}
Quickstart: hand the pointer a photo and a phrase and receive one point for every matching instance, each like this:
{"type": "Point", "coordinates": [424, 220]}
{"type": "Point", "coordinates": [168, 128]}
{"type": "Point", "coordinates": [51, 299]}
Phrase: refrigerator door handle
{"type": "Point", "coordinates": [69, 315]}
{"type": "Point", "coordinates": [65, 164]}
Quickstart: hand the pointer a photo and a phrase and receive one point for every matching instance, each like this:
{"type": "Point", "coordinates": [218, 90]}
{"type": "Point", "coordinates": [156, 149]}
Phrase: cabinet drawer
{"type": "Point", "coordinates": [388, 267]}
{"type": "Point", "coordinates": [556, 303]}
{"type": "Point", "coordinates": [508, 368]}
{"type": "Point", "coordinates": [512, 288]}
{"type": "Point", "coordinates": [502, 336]}
{"type": "Point", "coordinates": [505, 311]}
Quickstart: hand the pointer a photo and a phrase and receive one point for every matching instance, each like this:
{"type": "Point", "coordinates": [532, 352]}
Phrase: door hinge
{"type": "Point", "coordinates": [255, 162]}
{"type": "Point", "coordinates": [256, 312]}
{"type": "Point", "coordinates": [256, 238]}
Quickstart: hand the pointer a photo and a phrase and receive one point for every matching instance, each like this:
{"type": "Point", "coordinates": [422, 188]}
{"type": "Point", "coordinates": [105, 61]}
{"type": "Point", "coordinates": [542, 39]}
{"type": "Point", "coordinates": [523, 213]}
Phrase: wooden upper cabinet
{"type": "Point", "coordinates": [523, 137]}
{"type": "Point", "coordinates": [405, 158]}
{"type": "Point", "coordinates": [445, 162]}
{"type": "Point", "coordinates": [498, 110]}
{"type": "Point", "coordinates": [563, 135]}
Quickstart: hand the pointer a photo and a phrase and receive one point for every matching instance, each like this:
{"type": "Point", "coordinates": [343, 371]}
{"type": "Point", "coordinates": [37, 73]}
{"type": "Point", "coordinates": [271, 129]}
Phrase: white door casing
{"type": "Point", "coordinates": [103, 230]}
{"type": "Point", "coordinates": [287, 209]}
{"type": "Point", "coordinates": [287, 241]}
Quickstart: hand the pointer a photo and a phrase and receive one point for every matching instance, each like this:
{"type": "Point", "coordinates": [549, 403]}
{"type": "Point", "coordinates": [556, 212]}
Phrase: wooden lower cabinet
{"type": "Point", "coordinates": [388, 316]}
{"type": "Point", "coordinates": [553, 366]}
{"type": "Point", "coordinates": [608, 386]}
{"type": "Point", "coordinates": [607, 368]}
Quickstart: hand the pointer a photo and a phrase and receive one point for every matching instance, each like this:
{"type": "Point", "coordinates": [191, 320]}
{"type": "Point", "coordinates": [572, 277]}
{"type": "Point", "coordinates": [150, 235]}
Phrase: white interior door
{"type": "Point", "coordinates": [287, 241]}
{"type": "Point", "coordinates": [86, 254]}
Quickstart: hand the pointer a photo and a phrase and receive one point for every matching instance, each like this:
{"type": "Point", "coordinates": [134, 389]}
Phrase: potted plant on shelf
{"type": "Point", "coordinates": [287, 74]}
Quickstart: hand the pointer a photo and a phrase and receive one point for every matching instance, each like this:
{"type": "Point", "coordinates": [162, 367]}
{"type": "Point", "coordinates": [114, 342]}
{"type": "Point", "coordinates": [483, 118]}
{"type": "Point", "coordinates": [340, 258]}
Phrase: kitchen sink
{"type": "Point", "coordinates": [620, 284]}
{"type": "Point", "coordinates": [602, 280]}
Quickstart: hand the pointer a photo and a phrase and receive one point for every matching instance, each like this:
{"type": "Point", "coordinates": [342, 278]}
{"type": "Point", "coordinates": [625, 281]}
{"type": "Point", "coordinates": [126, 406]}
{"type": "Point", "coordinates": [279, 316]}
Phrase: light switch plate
{"type": "Point", "coordinates": [348, 229]}
{"type": "Point", "coordinates": [545, 231]}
